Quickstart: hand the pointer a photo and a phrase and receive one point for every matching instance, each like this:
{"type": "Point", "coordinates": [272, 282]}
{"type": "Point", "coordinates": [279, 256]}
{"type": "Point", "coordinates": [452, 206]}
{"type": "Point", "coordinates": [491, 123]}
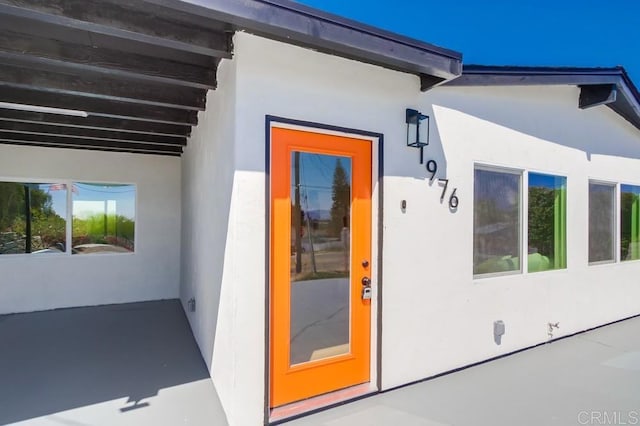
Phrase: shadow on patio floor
{"type": "Point", "coordinates": [118, 364]}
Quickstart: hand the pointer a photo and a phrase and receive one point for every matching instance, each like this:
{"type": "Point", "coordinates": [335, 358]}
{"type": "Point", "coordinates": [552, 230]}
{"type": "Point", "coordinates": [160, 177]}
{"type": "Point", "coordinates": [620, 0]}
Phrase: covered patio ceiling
{"type": "Point", "coordinates": [134, 76]}
{"type": "Point", "coordinates": [131, 75]}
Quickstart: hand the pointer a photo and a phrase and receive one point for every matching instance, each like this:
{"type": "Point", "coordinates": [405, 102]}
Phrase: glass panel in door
{"type": "Point", "coordinates": [320, 256]}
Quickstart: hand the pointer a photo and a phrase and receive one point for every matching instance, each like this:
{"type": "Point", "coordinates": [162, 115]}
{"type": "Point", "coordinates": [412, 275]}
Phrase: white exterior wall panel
{"type": "Point", "coordinates": [208, 236]}
{"type": "Point", "coordinates": [449, 314]}
{"type": "Point", "coordinates": [40, 282]}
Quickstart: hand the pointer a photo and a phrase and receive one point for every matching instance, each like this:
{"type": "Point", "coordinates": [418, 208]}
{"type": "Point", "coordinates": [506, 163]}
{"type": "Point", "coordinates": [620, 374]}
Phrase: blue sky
{"type": "Point", "coordinates": [546, 181]}
{"type": "Point", "coordinates": [500, 32]}
{"type": "Point", "coordinates": [316, 179]}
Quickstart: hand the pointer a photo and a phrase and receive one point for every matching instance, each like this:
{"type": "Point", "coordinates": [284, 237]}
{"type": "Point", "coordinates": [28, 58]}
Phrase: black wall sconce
{"type": "Point", "coordinates": [413, 119]}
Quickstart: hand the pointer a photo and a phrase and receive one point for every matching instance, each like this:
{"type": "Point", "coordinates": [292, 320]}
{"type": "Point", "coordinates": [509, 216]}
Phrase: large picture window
{"type": "Point", "coordinates": [32, 217]}
{"type": "Point", "coordinates": [496, 221]}
{"type": "Point", "coordinates": [103, 218]}
{"type": "Point", "coordinates": [629, 222]}
{"type": "Point", "coordinates": [602, 222]}
{"type": "Point", "coordinates": [547, 224]}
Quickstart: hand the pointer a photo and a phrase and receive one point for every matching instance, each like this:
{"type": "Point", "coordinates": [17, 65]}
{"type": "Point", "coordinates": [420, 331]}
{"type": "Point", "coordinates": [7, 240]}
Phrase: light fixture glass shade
{"type": "Point", "coordinates": [416, 137]}
{"type": "Point", "coordinates": [47, 110]}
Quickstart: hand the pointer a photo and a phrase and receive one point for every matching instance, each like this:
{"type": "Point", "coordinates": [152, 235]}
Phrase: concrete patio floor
{"type": "Point", "coordinates": [130, 364]}
{"type": "Point", "coordinates": [588, 379]}
{"type": "Point", "coordinates": [137, 364]}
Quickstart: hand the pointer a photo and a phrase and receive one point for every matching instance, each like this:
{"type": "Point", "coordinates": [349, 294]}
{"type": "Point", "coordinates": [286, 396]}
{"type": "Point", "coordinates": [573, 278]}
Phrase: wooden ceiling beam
{"type": "Point", "coordinates": [97, 134]}
{"type": "Point", "coordinates": [40, 51]}
{"type": "Point", "coordinates": [100, 87]}
{"type": "Point", "coordinates": [90, 148]}
{"type": "Point", "coordinates": [599, 94]}
{"type": "Point", "coordinates": [78, 36]}
{"type": "Point", "coordinates": [119, 21]}
{"type": "Point", "coordinates": [100, 107]}
{"type": "Point", "coordinates": [97, 123]}
{"type": "Point", "coordinates": [41, 140]}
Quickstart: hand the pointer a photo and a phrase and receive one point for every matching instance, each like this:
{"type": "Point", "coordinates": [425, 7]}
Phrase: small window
{"type": "Point", "coordinates": [602, 222]}
{"type": "Point", "coordinates": [496, 222]}
{"type": "Point", "coordinates": [32, 218]}
{"type": "Point", "coordinates": [629, 222]}
{"type": "Point", "coordinates": [103, 218]}
{"type": "Point", "coordinates": [547, 224]}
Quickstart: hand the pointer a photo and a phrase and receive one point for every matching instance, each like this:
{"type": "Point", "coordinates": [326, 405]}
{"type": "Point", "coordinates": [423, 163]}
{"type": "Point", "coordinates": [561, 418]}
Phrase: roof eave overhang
{"type": "Point", "coordinates": [623, 97]}
{"type": "Point", "coordinates": [297, 24]}
{"type": "Point", "coordinates": [131, 76]}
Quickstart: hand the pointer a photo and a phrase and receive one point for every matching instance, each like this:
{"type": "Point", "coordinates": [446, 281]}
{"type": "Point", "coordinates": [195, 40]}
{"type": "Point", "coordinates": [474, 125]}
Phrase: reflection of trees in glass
{"type": "Point", "coordinates": [547, 214]}
{"type": "Point", "coordinates": [541, 220]}
{"type": "Point", "coordinates": [110, 229]}
{"type": "Point", "coordinates": [11, 204]}
{"type": "Point", "coordinates": [47, 227]}
{"type": "Point", "coordinates": [629, 222]}
{"type": "Point", "coordinates": [103, 218]}
{"type": "Point", "coordinates": [341, 197]}
{"type": "Point", "coordinates": [320, 208]}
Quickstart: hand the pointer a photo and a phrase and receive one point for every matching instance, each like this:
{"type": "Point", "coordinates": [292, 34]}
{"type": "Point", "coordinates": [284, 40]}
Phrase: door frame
{"type": "Point", "coordinates": [377, 173]}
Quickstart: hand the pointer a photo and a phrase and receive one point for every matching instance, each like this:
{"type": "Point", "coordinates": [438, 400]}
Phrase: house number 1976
{"type": "Point", "coordinates": [432, 167]}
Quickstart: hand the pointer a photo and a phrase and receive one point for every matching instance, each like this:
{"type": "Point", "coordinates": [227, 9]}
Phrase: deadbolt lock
{"type": "Point", "coordinates": [366, 288]}
{"type": "Point", "coordinates": [366, 293]}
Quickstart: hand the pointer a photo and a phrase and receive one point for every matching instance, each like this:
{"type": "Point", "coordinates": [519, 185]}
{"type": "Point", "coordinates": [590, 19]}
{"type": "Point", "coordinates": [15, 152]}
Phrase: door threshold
{"type": "Point", "coordinates": [308, 406]}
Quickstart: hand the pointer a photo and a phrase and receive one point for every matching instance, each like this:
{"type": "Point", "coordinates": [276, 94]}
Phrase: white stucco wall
{"type": "Point", "coordinates": [224, 193]}
{"type": "Point", "coordinates": [209, 236]}
{"type": "Point", "coordinates": [41, 282]}
{"type": "Point", "coordinates": [291, 82]}
{"type": "Point", "coordinates": [435, 316]}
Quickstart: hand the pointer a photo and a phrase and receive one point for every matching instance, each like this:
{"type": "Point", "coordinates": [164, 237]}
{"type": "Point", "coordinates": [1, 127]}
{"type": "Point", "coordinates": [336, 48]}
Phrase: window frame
{"type": "Point", "coordinates": [69, 214]}
{"type": "Point", "coordinates": [523, 217]}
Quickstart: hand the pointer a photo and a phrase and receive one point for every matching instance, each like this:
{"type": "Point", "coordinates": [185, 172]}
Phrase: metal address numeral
{"type": "Point", "coordinates": [453, 200]}
{"type": "Point", "coordinates": [432, 167]}
{"type": "Point", "coordinates": [444, 190]}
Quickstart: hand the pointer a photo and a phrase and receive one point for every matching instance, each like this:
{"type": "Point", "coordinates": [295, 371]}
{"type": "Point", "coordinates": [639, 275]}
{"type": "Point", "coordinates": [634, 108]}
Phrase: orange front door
{"type": "Point", "coordinates": [320, 263]}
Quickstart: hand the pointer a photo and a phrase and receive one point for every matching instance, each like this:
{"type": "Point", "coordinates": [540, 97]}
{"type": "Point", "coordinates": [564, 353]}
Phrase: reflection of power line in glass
{"type": "Point", "coordinates": [312, 186]}
{"type": "Point", "coordinates": [341, 199]}
{"type": "Point", "coordinates": [90, 189]}
{"type": "Point", "coordinates": [307, 217]}
{"type": "Point", "coordinates": [113, 192]}
{"type": "Point", "coordinates": [321, 166]}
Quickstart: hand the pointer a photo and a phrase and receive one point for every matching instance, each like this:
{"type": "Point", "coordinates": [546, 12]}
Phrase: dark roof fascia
{"type": "Point", "coordinates": [627, 102]}
{"type": "Point", "coordinates": [301, 25]}
{"type": "Point", "coordinates": [628, 105]}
